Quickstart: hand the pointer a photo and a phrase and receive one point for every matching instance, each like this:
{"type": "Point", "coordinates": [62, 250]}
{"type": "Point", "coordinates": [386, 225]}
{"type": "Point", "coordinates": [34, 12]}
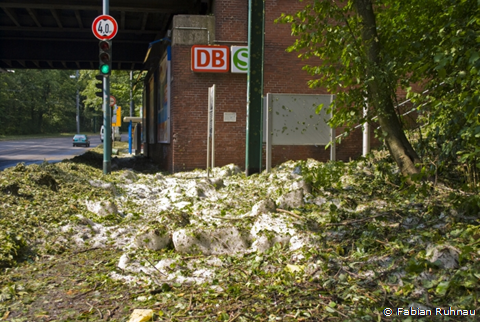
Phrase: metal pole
{"type": "Point", "coordinates": [209, 130]}
{"type": "Point", "coordinates": [77, 117]}
{"type": "Point", "coordinates": [130, 137]}
{"type": "Point", "coordinates": [254, 136]}
{"type": "Point", "coordinates": [107, 127]}
{"type": "Point", "coordinates": [107, 112]}
{"type": "Point", "coordinates": [366, 131]}
{"type": "Point", "coordinates": [269, 130]}
{"type": "Point", "coordinates": [213, 123]}
{"type": "Point", "coordinates": [333, 138]}
{"type": "Point", "coordinates": [105, 7]}
{"type": "Point", "coordinates": [131, 113]}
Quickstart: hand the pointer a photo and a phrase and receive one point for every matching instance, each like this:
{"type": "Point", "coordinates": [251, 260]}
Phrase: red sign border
{"type": "Point", "coordinates": [115, 100]}
{"type": "Point", "coordinates": [228, 53]}
{"type": "Point", "coordinates": [104, 17]}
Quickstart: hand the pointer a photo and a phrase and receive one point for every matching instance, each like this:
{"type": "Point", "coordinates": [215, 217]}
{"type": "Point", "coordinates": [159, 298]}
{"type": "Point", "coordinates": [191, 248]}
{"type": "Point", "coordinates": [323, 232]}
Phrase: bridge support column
{"type": "Point", "coordinates": [254, 126]}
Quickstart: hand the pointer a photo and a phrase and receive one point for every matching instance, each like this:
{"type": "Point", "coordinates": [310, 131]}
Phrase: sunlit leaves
{"type": "Point", "coordinates": [37, 101]}
{"type": "Point", "coordinates": [425, 45]}
{"type": "Point", "coordinates": [119, 88]}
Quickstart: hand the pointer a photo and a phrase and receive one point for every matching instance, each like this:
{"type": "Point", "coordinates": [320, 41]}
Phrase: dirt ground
{"type": "Point", "coordinates": [69, 287]}
{"type": "Point", "coordinates": [76, 286]}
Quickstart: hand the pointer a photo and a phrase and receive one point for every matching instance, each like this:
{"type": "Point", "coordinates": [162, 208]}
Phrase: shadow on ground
{"type": "Point", "coordinates": [137, 163]}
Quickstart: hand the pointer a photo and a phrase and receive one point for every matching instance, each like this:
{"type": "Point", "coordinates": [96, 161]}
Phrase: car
{"type": "Point", "coordinates": [80, 140]}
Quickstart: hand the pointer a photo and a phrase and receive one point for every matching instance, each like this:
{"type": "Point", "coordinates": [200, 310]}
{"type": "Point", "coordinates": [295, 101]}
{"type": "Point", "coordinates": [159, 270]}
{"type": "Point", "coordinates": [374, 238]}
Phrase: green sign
{"type": "Point", "coordinates": [239, 59]}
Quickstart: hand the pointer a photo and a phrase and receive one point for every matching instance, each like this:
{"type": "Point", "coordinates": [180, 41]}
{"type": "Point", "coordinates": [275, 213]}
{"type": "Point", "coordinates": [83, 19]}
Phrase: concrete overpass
{"type": "Point", "coordinates": [57, 34]}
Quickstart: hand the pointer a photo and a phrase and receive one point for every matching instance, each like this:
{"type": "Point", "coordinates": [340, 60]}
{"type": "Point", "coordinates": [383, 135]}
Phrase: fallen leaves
{"type": "Point", "coordinates": [360, 264]}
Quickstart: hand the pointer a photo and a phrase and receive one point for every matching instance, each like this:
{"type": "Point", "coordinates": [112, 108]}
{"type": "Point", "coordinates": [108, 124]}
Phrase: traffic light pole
{"type": "Point", "coordinates": [107, 126]}
{"type": "Point", "coordinates": [105, 7]}
{"type": "Point", "coordinates": [107, 111]}
{"type": "Point", "coordinates": [77, 104]}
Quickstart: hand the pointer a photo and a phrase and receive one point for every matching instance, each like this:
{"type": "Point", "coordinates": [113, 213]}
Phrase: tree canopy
{"type": "Point", "coordinates": [119, 88]}
{"type": "Point", "coordinates": [37, 101]}
{"type": "Point", "coordinates": [428, 49]}
{"type": "Point", "coordinates": [44, 101]}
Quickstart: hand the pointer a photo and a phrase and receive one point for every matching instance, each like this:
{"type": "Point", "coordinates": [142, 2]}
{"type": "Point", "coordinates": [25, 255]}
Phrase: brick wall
{"type": "Point", "coordinates": [189, 95]}
{"type": "Point", "coordinates": [231, 20]}
{"type": "Point", "coordinates": [189, 114]}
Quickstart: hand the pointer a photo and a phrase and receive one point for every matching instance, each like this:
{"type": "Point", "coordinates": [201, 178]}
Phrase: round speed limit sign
{"type": "Point", "coordinates": [104, 27]}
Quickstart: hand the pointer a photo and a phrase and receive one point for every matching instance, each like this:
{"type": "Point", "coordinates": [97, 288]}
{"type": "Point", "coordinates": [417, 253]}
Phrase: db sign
{"type": "Point", "coordinates": [206, 58]}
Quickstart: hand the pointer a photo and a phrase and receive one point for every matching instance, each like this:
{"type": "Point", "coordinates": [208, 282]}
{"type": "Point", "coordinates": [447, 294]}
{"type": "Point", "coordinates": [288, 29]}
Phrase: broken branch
{"type": "Point", "coordinates": [289, 213]}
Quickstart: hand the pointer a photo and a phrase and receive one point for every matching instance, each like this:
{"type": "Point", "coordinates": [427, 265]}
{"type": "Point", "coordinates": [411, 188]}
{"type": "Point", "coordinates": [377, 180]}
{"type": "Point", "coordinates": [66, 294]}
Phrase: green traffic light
{"type": "Point", "coordinates": [104, 68]}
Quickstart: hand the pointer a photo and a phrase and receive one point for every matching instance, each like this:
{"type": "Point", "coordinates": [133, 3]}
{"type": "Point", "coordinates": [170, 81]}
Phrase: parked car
{"type": "Point", "coordinates": [80, 140]}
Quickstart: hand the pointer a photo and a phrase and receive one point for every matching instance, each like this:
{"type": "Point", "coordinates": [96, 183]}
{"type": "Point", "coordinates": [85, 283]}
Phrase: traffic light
{"type": "Point", "coordinates": [99, 85]}
{"type": "Point", "coordinates": [105, 57]}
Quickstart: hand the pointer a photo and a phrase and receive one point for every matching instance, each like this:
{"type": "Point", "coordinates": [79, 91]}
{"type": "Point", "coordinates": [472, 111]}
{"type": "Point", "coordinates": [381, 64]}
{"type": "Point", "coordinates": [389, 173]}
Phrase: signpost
{"type": "Point", "coordinates": [105, 28]}
{"type": "Point", "coordinates": [211, 122]}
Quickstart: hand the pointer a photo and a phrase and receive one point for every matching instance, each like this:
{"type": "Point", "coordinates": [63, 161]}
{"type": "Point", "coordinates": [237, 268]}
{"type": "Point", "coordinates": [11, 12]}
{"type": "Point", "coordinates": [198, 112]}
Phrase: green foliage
{"type": "Point", "coordinates": [31, 208]}
{"type": "Point", "coordinates": [327, 31]}
{"type": "Point", "coordinates": [44, 101]}
{"type": "Point", "coordinates": [10, 248]}
{"type": "Point", "coordinates": [37, 101]}
{"type": "Point", "coordinates": [119, 88]}
{"type": "Point", "coordinates": [430, 49]}
{"type": "Point", "coordinates": [324, 176]}
{"type": "Point", "coordinates": [447, 62]}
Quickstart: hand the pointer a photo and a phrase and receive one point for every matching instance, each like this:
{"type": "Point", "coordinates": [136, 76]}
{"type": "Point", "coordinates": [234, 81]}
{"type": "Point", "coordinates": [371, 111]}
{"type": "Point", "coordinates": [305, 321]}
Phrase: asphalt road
{"type": "Point", "coordinates": [37, 150]}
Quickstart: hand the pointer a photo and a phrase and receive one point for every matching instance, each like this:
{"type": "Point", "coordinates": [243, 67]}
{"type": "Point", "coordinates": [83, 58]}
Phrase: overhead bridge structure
{"type": "Point", "coordinates": [57, 34]}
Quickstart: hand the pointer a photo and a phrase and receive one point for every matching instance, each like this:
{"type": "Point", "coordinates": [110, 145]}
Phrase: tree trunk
{"type": "Point", "coordinates": [379, 94]}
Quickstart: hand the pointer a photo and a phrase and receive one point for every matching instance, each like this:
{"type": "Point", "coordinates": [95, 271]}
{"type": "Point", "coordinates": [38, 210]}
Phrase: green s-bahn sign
{"type": "Point", "coordinates": [239, 59]}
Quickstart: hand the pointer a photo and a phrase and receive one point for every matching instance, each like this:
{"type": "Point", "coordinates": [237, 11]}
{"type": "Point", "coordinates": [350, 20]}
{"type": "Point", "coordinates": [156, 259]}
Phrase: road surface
{"type": "Point", "coordinates": [37, 150]}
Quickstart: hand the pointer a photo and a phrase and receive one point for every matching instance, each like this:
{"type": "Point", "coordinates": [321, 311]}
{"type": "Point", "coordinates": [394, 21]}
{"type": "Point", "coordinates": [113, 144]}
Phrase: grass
{"type": "Point", "coordinates": [31, 136]}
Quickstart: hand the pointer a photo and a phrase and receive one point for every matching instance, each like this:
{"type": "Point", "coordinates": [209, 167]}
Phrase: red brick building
{"type": "Point", "coordinates": [176, 98]}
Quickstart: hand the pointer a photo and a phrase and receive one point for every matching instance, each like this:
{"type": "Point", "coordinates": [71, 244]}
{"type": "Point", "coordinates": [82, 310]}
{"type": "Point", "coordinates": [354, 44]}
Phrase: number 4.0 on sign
{"type": "Point", "coordinates": [104, 27]}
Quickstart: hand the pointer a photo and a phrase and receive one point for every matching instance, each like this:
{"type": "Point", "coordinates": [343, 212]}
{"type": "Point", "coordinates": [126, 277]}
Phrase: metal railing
{"type": "Point", "coordinates": [397, 106]}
